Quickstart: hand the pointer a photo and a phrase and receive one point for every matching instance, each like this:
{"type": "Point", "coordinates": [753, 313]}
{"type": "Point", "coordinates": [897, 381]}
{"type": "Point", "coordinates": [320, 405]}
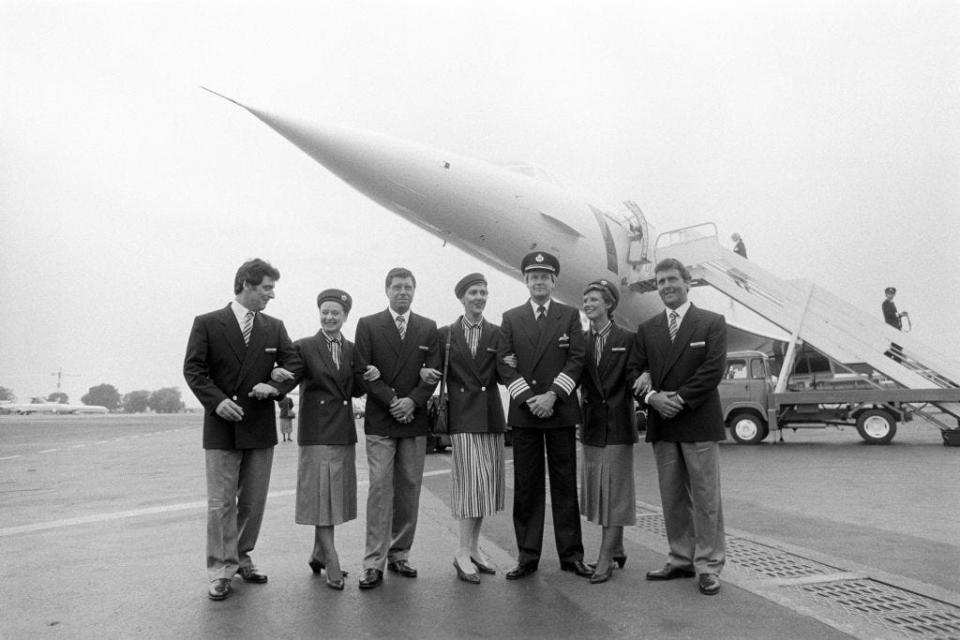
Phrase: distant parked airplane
{"type": "Point", "coordinates": [39, 405]}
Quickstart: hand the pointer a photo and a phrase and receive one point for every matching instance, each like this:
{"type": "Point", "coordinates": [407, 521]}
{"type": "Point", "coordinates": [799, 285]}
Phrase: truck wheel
{"type": "Point", "coordinates": [747, 428]}
{"type": "Point", "coordinates": [876, 426]}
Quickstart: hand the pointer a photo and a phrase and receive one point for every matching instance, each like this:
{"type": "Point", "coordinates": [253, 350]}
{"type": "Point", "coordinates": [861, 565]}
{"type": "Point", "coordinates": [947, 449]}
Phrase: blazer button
{"type": "Point", "coordinates": [533, 382]}
{"type": "Point", "coordinates": [234, 398]}
{"type": "Point", "coordinates": [323, 402]}
{"type": "Point", "coordinates": [344, 402]}
{"type": "Point", "coordinates": [483, 388]}
{"type": "Point", "coordinates": [462, 390]}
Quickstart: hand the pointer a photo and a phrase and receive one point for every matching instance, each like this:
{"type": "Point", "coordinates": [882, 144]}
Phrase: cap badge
{"type": "Point", "coordinates": [539, 257]}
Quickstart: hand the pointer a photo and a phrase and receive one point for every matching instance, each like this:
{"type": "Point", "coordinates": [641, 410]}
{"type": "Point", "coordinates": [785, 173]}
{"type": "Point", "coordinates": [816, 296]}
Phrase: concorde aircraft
{"type": "Point", "coordinates": [500, 212]}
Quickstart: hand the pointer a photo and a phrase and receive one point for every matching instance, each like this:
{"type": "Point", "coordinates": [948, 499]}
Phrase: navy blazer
{"type": "Point", "coordinates": [399, 362]}
{"type": "Point", "coordinates": [326, 391]}
{"type": "Point", "coordinates": [218, 366]}
{"type": "Point", "coordinates": [607, 399]}
{"type": "Point", "coordinates": [692, 365]}
{"type": "Point", "coordinates": [548, 357]}
{"type": "Point", "coordinates": [475, 405]}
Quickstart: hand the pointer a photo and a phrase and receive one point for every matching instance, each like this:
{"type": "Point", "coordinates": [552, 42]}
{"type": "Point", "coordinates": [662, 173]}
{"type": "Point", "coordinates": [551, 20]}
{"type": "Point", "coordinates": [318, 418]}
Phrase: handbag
{"type": "Point", "coordinates": [437, 413]}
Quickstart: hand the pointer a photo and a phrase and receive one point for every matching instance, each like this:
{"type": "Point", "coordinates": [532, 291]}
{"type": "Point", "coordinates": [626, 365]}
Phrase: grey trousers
{"type": "Point", "coordinates": [689, 474]}
{"type": "Point", "coordinates": [237, 485]}
{"type": "Point", "coordinates": [393, 501]}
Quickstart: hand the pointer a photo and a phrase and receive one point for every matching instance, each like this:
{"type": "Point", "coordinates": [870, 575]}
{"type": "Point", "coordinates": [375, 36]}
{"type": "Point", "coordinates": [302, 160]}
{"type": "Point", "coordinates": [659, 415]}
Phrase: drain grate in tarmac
{"type": "Point", "coordinates": [896, 609]}
{"type": "Point", "coordinates": [772, 562]}
{"type": "Point", "coordinates": [651, 522]}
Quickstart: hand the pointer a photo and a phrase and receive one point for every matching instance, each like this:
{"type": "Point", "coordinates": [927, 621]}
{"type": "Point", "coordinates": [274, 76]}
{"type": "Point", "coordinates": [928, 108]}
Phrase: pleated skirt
{"type": "Point", "coordinates": [607, 496]}
{"type": "Point", "coordinates": [326, 485]}
{"type": "Point", "coordinates": [479, 477]}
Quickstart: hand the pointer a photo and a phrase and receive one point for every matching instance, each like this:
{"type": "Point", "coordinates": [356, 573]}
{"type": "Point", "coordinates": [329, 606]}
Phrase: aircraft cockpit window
{"type": "Point", "coordinates": [736, 370]}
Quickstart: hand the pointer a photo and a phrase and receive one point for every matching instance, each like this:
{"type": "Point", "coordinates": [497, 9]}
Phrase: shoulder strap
{"type": "Point", "coordinates": [446, 362]}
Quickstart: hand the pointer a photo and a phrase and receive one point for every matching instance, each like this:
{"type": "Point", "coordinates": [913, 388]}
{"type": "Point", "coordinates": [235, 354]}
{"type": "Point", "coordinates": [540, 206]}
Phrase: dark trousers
{"type": "Point", "coordinates": [529, 488]}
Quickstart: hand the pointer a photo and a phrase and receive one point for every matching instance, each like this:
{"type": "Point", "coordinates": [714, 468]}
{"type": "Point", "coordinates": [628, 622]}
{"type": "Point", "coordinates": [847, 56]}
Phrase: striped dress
{"type": "Point", "coordinates": [478, 474]}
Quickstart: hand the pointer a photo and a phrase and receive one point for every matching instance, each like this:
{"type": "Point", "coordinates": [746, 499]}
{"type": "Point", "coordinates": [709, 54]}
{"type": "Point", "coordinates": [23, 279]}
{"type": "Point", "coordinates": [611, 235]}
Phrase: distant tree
{"type": "Point", "coordinates": [166, 400]}
{"type": "Point", "coordinates": [104, 395]}
{"type": "Point", "coordinates": [7, 394]}
{"type": "Point", "coordinates": [58, 396]}
{"type": "Point", "coordinates": [136, 401]}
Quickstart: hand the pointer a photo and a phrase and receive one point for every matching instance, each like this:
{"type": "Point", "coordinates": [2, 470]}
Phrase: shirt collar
{"type": "Point", "coordinates": [329, 338]}
{"type": "Point", "coordinates": [536, 305]}
{"type": "Point", "coordinates": [605, 330]}
{"type": "Point", "coordinates": [405, 314]}
{"type": "Point", "coordinates": [681, 312]}
{"type": "Point", "coordinates": [239, 311]}
{"type": "Point", "coordinates": [470, 325]}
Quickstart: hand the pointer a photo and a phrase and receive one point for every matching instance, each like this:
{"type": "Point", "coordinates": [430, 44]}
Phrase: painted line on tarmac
{"type": "Point", "coordinates": [148, 511]}
{"type": "Point", "coordinates": [49, 450]}
{"type": "Point", "coordinates": [11, 457]}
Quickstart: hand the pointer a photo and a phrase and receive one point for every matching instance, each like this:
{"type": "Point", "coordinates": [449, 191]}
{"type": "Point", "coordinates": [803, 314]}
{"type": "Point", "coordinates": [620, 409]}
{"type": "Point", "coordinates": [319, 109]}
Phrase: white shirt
{"type": "Point", "coordinates": [681, 311]}
{"type": "Point", "coordinates": [405, 314]}
{"type": "Point", "coordinates": [536, 306]}
{"type": "Point", "coordinates": [240, 312]}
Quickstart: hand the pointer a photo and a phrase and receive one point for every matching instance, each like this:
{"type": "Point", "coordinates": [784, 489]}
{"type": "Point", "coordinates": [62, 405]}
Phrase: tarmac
{"type": "Point", "coordinates": [103, 521]}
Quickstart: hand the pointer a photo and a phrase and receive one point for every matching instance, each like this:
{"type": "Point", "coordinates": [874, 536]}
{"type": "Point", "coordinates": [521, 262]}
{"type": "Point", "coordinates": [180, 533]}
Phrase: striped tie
{"type": "Point", "coordinates": [247, 327]}
{"type": "Point", "coordinates": [598, 345]}
{"type": "Point", "coordinates": [402, 326]}
{"type": "Point", "coordinates": [541, 313]}
{"type": "Point", "coordinates": [335, 352]}
{"type": "Point", "coordinates": [673, 325]}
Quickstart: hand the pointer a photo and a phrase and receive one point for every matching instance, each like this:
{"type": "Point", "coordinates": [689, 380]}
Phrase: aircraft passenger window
{"type": "Point", "coordinates": [736, 370]}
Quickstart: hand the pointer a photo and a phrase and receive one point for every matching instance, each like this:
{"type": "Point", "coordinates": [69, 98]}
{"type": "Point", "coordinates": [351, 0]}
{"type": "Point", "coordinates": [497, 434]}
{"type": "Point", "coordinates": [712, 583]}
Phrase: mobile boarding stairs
{"type": "Point", "coordinates": [921, 376]}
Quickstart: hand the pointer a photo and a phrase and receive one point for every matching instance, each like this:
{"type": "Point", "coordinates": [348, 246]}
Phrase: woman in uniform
{"type": "Point", "coordinates": [477, 423]}
{"type": "Point", "coordinates": [330, 375]}
{"type": "Point", "coordinates": [607, 494]}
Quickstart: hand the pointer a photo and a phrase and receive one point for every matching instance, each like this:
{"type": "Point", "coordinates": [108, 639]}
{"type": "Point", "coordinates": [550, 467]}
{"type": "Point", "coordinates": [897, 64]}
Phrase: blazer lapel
{"type": "Point", "coordinates": [684, 332]}
{"type": "Point", "coordinates": [231, 330]}
{"type": "Point", "coordinates": [390, 331]}
{"type": "Point", "coordinates": [591, 363]}
{"type": "Point", "coordinates": [529, 326]}
{"type": "Point", "coordinates": [410, 342]}
{"type": "Point", "coordinates": [345, 372]}
{"type": "Point", "coordinates": [258, 338]}
{"type": "Point", "coordinates": [476, 359]}
{"type": "Point", "coordinates": [547, 330]}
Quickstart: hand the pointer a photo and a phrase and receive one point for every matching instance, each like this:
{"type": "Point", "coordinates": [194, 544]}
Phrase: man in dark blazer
{"type": "Point", "coordinates": [398, 343]}
{"type": "Point", "coordinates": [230, 355]}
{"type": "Point", "coordinates": [545, 338]}
{"type": "Point", "coordinates": [677, 363]}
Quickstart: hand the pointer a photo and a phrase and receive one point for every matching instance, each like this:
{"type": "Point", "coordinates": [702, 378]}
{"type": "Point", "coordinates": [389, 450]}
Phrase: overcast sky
{"type": "Point", "coordinates": [826, 133]}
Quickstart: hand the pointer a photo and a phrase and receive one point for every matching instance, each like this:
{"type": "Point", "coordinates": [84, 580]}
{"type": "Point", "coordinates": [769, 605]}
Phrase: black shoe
{"type": "Point", "coordinates": [597, 578]}
{"type": "Point", "coordinates": [315, 565]}
{"type": "Point", "coordinates": [620, 560]}
{"type": "Point", "coordinates": [403, 568]}
{"type": "Point", "coordinates": [472, 578]}
{"type": "Point", "coordinates": [522, 570]}
{"type": "Point", "coordinates": [709, 584]}
{"type": "Point", "coordinates": [219, 589]}
{"type": "Point", "coordinates": [337, 584]}
{"type": "Point", "coordinates": [578, 567]}
{"type": "Point", "coordinates": [371, 578]}
{"type": "Point", "coordinates": [483, 568]}
{"type": "Point", "coordinates": [670, 572]}
{"type": "Point", "coordinates": [250, 574]}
